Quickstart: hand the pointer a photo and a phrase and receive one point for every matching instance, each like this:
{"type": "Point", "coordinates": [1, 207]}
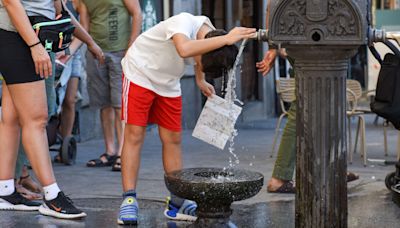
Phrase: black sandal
{"type": "Point", "coordinates": [117, 164]}
{"type": "Point", "coordinates": [99, 163]}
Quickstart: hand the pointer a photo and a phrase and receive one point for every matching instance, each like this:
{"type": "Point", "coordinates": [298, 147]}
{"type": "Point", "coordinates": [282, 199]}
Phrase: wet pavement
{"type": "Point", "coordinates": [98, 190]}
{"type": "Point", "coordinates": [367, 211]}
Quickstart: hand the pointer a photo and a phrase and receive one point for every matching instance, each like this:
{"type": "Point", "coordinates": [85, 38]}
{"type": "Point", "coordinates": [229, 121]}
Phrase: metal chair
{"type": "Point", "coordinates": [285, 87]}
{"type": "Point", "coordinates": [354, 94]}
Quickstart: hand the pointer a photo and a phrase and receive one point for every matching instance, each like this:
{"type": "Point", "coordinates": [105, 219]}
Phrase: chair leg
{"type": "Point", "coordinates": [385, 125]}
{"type": "Point", "coordinates": [350, 150]}
{"type": "Point", "coordinates": [278, 125]}
{"type": "Point", "coordinates": [363, 141]}
{"type": "Point", "coordinates": [356, 138]}
{"type": "Point", "coordinates": [398, 145]}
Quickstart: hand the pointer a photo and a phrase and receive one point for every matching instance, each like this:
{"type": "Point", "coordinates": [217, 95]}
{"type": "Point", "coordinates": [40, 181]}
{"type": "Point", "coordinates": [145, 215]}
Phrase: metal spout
{"type": "Point", "coordinates": [380, 35]}
{"type": "Point", "coordinates": [393, 36]}
{"type": "Point", "coordinates": [261, 35]}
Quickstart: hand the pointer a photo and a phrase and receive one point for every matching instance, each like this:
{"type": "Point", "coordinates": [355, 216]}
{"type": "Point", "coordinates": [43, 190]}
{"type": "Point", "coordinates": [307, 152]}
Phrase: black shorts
{"type": "Point", "coordinates": [16, 64]}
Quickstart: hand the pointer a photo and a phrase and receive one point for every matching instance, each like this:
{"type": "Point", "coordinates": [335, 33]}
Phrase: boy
{"type": "Point", "coordinates": [152, 69]}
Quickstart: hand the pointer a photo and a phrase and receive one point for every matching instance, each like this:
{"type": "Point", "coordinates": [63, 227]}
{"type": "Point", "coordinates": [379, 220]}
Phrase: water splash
{"type": "Point", "coordinates": [231, 97]}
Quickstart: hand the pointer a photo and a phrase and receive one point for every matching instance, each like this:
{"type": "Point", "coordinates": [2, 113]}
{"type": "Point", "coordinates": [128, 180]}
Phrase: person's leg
{"type": "Point", "coordinates": [171, 149]}
{"type": "Point", "coordinates": [98, 85]}
{"type": "Point", "coordinates": [115, 74]}
{"type": "Point", "coordinates": [107, 124]}
{"type": "Point", "coordinates": [68, 107]}
{"type": "Point", "coordinates": [32, 97]}
{"type": "Point", "coordinates": [130, 157]}
{"type": "Point", "coordinates": [21, 161]}
{"type": "Point", "coordinates": [119, 129]}
{"type": "Point", "coordinates": [286, 158]}
{"type": "Point", "coordinates": [10, 135]}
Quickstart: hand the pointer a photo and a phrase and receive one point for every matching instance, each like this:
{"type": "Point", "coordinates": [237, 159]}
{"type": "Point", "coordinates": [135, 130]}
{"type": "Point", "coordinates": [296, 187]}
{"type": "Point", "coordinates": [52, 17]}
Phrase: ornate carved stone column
{"type": "Point", "coordinates": [321, 36]}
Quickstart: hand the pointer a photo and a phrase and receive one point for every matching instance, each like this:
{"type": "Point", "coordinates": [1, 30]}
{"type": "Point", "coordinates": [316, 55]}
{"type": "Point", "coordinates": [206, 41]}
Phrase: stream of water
{"type": "Point", "coordinates": [230, 96]}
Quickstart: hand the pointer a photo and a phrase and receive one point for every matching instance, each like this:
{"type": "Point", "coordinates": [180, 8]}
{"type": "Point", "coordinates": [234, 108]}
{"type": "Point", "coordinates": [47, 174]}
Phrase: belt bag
{"type": "Point", "coordinates": [55, 35]}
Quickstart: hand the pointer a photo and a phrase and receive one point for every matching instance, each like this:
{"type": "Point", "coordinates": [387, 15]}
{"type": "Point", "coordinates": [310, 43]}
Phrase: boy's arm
{"type": "Point", "coordinates": [189, 48]}
{"type": "Point", "coordinates": [206, 88]}
{"type": "Point", "coordinates": [134, 10]}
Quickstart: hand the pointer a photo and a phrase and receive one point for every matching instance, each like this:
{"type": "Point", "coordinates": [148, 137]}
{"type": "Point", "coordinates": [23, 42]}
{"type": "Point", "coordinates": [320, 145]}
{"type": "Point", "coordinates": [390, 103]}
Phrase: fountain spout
{"type": "Point", "coordinates": [261, 35]}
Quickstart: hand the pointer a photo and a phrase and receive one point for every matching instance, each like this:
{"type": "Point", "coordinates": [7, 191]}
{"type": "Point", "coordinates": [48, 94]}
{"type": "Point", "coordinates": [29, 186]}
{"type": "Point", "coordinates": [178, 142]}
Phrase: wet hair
{"type": "Point", "coordinates": [217, 62]}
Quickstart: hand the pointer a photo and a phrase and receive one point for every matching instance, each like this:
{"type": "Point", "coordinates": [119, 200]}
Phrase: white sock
{"type": "Point", "coordinates": [51, 191]}
{"type": "Point", "coordinates": [6, 187]}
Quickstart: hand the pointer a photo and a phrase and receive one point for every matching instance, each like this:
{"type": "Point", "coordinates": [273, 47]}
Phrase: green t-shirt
{"type": "Point", "coordinates": [110, 24]}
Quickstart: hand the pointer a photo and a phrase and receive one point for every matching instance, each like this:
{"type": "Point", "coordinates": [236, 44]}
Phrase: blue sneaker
{"type": "Point", "coordinates": [187, 212]}
{"type": "Point", "coordinates": [128, 212]}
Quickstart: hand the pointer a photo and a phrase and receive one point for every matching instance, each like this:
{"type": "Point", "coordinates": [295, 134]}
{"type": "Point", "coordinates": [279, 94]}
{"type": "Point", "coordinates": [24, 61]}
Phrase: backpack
{"type": "Point", "coordinates": [386, 102]}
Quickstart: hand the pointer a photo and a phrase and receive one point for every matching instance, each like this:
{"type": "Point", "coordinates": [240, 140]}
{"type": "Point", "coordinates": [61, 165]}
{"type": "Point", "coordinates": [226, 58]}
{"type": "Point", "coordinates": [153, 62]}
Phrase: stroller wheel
{"type": "Point", "coordinates": [390, 180]}
{"type": "Point", "coordinates": [68, 150]}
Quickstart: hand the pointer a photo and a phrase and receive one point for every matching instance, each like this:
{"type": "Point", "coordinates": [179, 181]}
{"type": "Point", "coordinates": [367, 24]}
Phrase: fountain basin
{"type": "Point", "coordinates": [214, 190]}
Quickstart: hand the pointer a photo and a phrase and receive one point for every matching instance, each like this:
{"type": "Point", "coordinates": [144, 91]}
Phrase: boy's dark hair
{"type": "Point", "coordinates": [217, 62]}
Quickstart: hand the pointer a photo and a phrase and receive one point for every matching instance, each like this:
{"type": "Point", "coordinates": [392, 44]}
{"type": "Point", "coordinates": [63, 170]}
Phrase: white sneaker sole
{"type": "Point", "coordinates": [120, 222]}
{"type": "Point", "coordinates": [181, 217]}
{"type": "Point", "coordinates": [4, 205]}
{"type": "Point", "coordinates": [46, 211]}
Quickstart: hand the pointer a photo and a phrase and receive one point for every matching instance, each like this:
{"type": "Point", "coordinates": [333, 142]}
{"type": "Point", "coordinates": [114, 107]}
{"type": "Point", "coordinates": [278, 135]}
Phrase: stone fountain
{"type": "Point", "coordinates": [214, 190]}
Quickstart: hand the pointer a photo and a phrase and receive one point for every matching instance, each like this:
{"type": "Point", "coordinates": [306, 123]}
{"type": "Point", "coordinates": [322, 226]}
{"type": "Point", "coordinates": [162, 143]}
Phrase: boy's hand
{"type": "Point", "coordinates": [206, 88]}
{"type": "Point", "coordinates": [239, 33]}
{"type": "Point", "coordinates": [267, 63]}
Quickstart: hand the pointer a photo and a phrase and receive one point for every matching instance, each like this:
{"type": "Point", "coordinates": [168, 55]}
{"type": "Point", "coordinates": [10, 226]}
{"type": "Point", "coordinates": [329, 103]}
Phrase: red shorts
{"type": "Point", "coordinates": [141, 106]}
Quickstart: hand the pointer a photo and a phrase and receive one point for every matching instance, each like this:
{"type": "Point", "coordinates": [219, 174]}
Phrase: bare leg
{"type": "Point", "coordinates": [68, 108]}
{"type": "Point", "coordinates": [29, 101]}
{"type": "Point", "coordinates": [119, 128]}
{"type": "Point", "coordinates": [171, 149]}
{"type": "Point", "coordinates": [130, 158]}
{"type": "Point", "coordinates": [107, 123]}
{"type": "Point", "coordinates": [10, 136]}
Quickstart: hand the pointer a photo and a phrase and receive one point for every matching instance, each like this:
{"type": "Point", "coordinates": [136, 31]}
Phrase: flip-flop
{"type": "Point", "coordinates": [286, 187]}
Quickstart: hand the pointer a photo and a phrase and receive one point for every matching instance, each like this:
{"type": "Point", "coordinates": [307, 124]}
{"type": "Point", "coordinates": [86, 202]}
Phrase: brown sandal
{"type": "Point", "coordinates": [28, 183]}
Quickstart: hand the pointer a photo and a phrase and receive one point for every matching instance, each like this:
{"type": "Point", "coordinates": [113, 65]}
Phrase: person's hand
{"type": "Point", "coordinates": [42, 61]}
{"type": "Point", "coordinates": [62, 57]}
{"type": "Point", "coordinates": [239, 33]}
{"type": "Point", "coordinates": [206, 88]}
{"type": "Point", "coordinates": [265, 65]}
{"type": "Point", "coordinates": [97, 52]}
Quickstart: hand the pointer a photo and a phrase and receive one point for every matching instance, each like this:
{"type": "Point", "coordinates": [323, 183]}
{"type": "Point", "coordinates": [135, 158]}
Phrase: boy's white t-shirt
{"type": "Point", "coordinates": [153, 62]}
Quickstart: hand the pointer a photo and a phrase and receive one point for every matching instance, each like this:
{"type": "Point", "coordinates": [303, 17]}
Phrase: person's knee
{"type": "Point", "coordinates": [36, 120]}
{"type": "Point", "coordinates": [172, 138]}
{"type": "Point", "coordinates": [69, 102]}
{"type": "Point", "coordinates": [134, 135]}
